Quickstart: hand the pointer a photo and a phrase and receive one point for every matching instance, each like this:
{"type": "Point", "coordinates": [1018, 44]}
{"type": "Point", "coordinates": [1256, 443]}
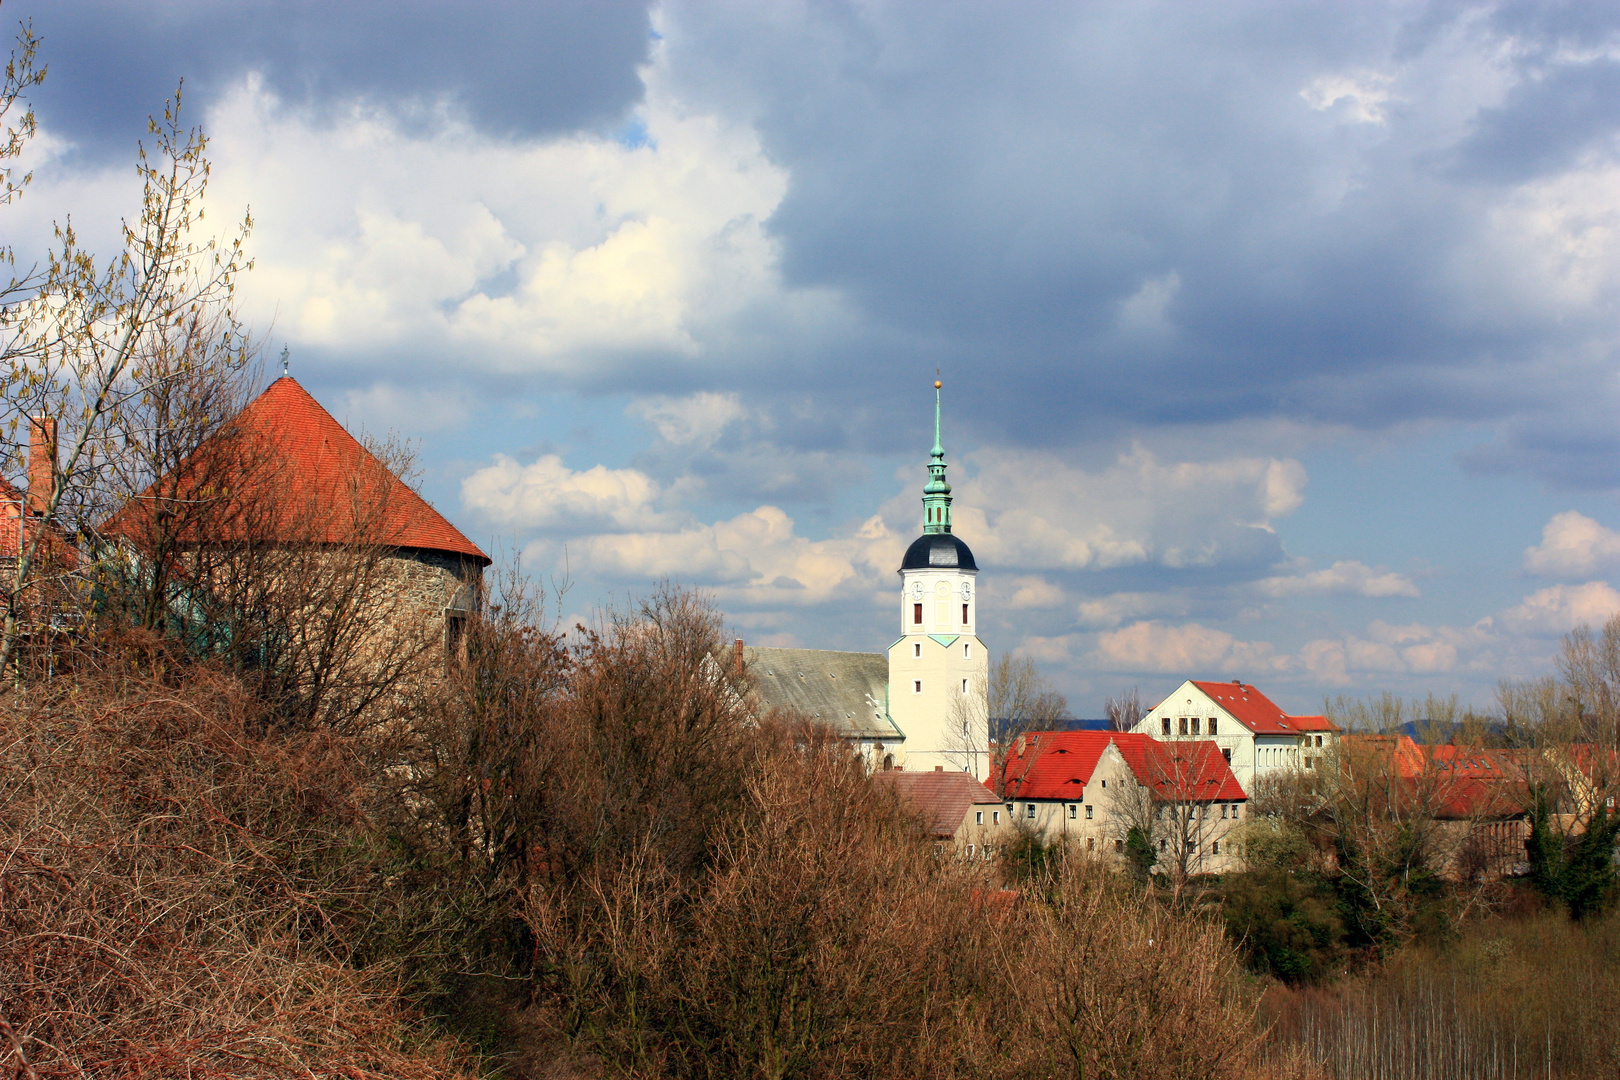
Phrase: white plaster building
{"type": "Point", "coordinates": [1256, 737]}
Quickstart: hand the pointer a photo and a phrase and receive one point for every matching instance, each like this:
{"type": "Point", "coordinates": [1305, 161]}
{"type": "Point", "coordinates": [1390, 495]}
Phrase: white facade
{"type": "Point", "coordinates": [938, 673]}
{"type": "Point", "coordinates": [1257, 739]}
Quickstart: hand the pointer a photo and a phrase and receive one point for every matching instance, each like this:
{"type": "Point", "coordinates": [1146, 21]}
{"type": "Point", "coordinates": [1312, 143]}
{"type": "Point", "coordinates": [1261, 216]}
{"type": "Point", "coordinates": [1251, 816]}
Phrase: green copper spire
{"type": "Point", "coordinates": [937, 493]}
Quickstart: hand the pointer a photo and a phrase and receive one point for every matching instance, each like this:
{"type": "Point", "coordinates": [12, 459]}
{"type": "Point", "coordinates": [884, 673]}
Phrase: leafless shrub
{"type": "Point", "coordinates": [181, 897]}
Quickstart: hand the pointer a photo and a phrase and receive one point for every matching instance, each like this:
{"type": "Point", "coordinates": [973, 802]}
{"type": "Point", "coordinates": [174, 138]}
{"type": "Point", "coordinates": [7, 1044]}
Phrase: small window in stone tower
{"type": "Point", "coordinates": [964, 615]}
{"type": "Point", "coordinates": [916, 614]}
{"type": "Point", "coordinates": [916, 648]}
{"type": "Point", "coordinates": [916, 686]}
{"type": "Point", "coordinates": [964, 686]}
{"type": "Point", "coordinates": [455, 637]}
{"type": "Point", "coordinates": [966, 650]}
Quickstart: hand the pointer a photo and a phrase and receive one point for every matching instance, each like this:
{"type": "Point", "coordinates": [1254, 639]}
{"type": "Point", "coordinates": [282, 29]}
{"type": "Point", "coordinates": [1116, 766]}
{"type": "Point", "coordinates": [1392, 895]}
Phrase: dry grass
{"type": "Point", "coordinates": [178, 897]}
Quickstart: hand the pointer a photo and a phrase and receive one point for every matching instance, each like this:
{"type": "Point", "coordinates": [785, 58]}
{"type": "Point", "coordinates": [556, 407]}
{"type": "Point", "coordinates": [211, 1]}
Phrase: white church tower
{"type": "Point", "coordinates": [938, 670]}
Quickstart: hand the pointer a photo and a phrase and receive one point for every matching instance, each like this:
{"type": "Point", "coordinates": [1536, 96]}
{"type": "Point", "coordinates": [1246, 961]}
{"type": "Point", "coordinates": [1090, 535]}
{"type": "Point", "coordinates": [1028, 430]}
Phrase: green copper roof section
{"type": "Point", "coordinates": [945, 641]}
{"type": "Point", "coordinates": [937, 493]}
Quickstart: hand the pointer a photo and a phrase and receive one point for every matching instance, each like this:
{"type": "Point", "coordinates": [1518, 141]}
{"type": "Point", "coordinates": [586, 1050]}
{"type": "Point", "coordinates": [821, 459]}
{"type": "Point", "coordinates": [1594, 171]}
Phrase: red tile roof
{"type": "Point", "coordinates": [1259, 713]}
{"type": "Point", "coordinates": [942, 799]}
{"type": "Point", "coordinates": [316, 462]}
{"type": "Point", "coordinates": [1058, 765]}
{"type": "Point", "coordinates": [1454, 781]}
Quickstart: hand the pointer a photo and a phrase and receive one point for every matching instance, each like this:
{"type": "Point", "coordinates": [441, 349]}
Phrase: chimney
{"type": "Point", "coordinates": [736, 656]}
{"type": "Point", "coordinates": [939, 768]}
{"type": "Point", "coordinates": [41, 462]}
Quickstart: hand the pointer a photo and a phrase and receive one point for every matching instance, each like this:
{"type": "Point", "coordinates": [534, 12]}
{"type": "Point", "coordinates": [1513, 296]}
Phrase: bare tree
{"type": "Point", "coordinates": [1124, 712]}
{"type": "Point", "coordinates": [82, 341]}
{"type": "Point", "coordinates": [1014, 698]}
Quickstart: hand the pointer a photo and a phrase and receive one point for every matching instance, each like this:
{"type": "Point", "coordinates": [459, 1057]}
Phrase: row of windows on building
{"type": "Point", "coordinates": [987, 851]}
{"type": "Point", "coordinates": [1229, 811]}
{"type": "Point", "coordinates": [916, 686]}
{"type": "Point", "coordinates": [916, 614]}
{"type": "Point", "coordinates": [967, 649]}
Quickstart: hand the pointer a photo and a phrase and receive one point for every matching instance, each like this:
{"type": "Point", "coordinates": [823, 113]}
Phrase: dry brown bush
{"type": "Point", "coordinates": [181, 897]}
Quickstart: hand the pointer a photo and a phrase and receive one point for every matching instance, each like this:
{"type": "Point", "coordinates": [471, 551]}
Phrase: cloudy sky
{"type": "Point", "coordinates": [1278, 339]}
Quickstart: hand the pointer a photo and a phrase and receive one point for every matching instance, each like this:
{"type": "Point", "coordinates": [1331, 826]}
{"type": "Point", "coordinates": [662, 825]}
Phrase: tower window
{"type": "Point", "coordinates": [916, 614]}
{"type": "Point", "coordinates": [964, 614]}
{"type": "Point", "coordinates": [964, 686]}
{"type": "Point", "coordinates": [965, 648]}
{"type": "Point", "coordinates": [916, 648]}
{"type": "Point", "coordinates": [916, 686]}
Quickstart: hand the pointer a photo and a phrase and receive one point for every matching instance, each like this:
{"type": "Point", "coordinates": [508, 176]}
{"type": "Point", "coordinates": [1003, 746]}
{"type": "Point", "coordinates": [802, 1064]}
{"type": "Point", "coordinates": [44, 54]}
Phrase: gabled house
{"type": "Point", "coordinates": [960, 814]}
{"type": "Point", "coordinates": [1093, 788]}
{"type": "Point", "coordinates": [1256, 737]}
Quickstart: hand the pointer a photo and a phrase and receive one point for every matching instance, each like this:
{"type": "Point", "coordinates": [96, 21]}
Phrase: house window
{"type": "Point", "coordinates": [1119, 845]}
{"type": "Point", "coordinates": [1162, 845]}
{"type": "Point", "coordinates": [978, 817]}
{"type": "Point", "coordinates": [916, 686]}
{"type": "Point", "coordinates": [1195, 725]}
{"type": "Point", "coordinates": [1223, 811]}
{"type": "Point", "coordinates": [1235, 809]}
{"type": "Point", "coordinates": [1214, 847]}
{"type": "Point", "coordinates": [1319, 740]}
{"type": "Point", "coordinates": [995, 817]}
{"type": "Point", "coordinates": [1074, 811]}
{"type": "Point", "coordinates": [964, 615]}
{"type": "Point", "coordinates": [970, 851]}
{"type": "Point", "coordinates": [1227, 754]}
{"type": "Point", "coordinates": [1029, 810]}
{"type": "Point", "coordinates": [1181, 725]}
{"type": "Point", "coordinates": [1166, 722]}
{"type": "Point", "coordinates": [1212, 729]}
{"type": "Point", "coordinates": [1089, 814]}
{"type": "Point", "coordinates": [1009, 809]}
{"type": "Point", "coordinates": [916, 648]}
{"type": "Point", "coordinates": [939, 849]}
{"type": "Point", "coordinates": [1091, 843]}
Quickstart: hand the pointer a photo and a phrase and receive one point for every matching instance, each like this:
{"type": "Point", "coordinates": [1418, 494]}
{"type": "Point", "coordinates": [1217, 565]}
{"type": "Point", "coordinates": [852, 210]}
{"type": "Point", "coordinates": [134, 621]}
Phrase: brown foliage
{"type": "Point", "coordinates": [181, 897]}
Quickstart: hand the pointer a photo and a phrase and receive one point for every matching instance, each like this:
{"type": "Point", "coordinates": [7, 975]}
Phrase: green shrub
{"type": "Point", "coordinates": [1286, 924]}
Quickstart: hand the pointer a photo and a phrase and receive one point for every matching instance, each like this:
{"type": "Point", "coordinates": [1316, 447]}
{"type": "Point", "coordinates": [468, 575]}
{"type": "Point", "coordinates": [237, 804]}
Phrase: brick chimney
{"type": "Point", "coordinates": [41, 462]}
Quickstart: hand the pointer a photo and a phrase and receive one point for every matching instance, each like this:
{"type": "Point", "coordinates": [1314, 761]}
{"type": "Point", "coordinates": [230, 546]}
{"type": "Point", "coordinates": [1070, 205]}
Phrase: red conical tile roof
{"type": "Point", "coordinates": [316, 460]}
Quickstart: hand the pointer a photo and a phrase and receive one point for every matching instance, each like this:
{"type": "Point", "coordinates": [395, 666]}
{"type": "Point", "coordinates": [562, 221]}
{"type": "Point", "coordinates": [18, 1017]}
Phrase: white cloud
{"type": "Point", "coordinates": [753, 559]}
{"type": "Point", "coordinates": [1573, 546]}
{"type": "Point", "coordinates": [1145, 312]}
{"type": "Point", "coordinates": [1561, 608]}
{"type": "Point", "coordinates": [1189, 649]}
{"type": "Point", "coordinates": [548, 495]}
{"type": "Point", "coordinates": [696, 420]}
{"type": "Point", "coordinates": [1362, 95]}
{"type": "Point", "coordinates": [571, 255]}
{"type": "Point", "coordinates": [1035, 510]}
{"type": "Point", "coordinates": [1033, 592]}
{"type": "Point", "coordinates": [1345, 577]}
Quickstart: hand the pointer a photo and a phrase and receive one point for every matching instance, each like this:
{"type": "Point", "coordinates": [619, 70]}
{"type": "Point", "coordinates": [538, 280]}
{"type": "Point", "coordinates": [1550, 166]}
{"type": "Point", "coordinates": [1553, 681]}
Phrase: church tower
{"type": "Point", "coordinates": [938, 670]}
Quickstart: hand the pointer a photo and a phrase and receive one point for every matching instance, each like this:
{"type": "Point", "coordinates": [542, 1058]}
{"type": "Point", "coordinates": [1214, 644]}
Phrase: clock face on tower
{"type": "Point", "coordinates": [967, 589]}
{"type": "Point", "coordinates": [917, 589]}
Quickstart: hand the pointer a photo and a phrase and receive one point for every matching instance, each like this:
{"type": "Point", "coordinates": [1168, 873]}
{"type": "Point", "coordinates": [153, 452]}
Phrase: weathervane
{"type": "Point", "coordinates": [284, 360]}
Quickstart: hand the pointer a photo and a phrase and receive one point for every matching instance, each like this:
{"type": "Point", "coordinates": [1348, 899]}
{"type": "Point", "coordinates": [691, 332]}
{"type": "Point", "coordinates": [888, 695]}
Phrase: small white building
{"type": "Point", "coordinates": [1255, 736]}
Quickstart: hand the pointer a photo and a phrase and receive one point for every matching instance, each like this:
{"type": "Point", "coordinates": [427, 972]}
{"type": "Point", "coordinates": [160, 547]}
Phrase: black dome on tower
{"type": "Point", "coordinates": [943, 550]}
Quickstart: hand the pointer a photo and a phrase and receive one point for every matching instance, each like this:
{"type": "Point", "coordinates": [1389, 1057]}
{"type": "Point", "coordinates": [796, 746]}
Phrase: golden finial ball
{"type": "Point", "coordinates": [938, 384]}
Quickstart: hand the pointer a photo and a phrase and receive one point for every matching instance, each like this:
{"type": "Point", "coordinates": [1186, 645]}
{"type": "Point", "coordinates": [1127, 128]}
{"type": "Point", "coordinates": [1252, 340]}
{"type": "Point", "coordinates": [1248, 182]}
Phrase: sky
{"type": "Point", "coordinates": [1278, 340]}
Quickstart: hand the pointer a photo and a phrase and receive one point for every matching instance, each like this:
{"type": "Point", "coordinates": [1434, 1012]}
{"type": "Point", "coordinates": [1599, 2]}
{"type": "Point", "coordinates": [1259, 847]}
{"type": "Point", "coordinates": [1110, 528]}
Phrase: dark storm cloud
{"type": "Point", "coordinates": [512, 67]}
{"type": "Point", "coordinates": [995, 185]}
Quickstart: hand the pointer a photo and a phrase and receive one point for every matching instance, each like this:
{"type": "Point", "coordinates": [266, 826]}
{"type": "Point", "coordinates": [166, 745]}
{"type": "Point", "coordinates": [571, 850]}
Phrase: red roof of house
{"type": "Point", "coordinates": [316, 463]}
{"type": "Point", "coordinates": [942, 799]}
{"type": "Point", "coordinates": [1259, 713]}
{"type": "Point", "coordinates": [1059, 764]}
{"type": "Point", "coordinates": [1455, 781]}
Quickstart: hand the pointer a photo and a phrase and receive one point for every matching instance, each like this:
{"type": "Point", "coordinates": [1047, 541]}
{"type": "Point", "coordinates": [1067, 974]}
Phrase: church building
{"type": "Point", "coordinates": [924, 706]}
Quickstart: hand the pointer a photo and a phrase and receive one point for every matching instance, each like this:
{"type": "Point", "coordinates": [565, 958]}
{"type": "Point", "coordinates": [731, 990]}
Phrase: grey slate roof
{"type": "Point", "coordinates": [848, 690]}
